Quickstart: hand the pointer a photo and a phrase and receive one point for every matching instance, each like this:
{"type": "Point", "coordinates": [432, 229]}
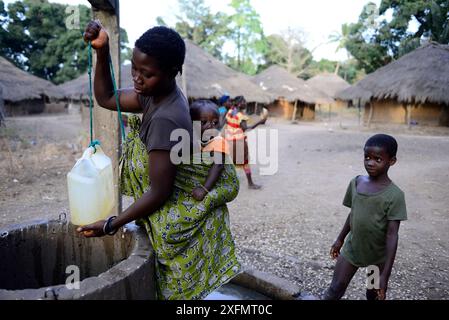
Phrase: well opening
{"type": "Point", "coordinates": [42, 255]}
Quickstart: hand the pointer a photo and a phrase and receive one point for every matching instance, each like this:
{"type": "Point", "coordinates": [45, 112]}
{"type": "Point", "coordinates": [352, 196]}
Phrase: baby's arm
{"type": "Point", "coordinates": [214, 174]}
{"type": "Point", "coordinates": [392, 245]}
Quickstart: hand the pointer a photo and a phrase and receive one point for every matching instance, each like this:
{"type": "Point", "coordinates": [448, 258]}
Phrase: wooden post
{"type": "Point", "coordinates": [2, 106]}
{"type": "Point", "coordinates": [371, 111]}
{"type": "Point", "coordinates": [295, 110]}
{"type": "Point", "coordinates": [360, 109]}
{"type": "Point", "coordinates": [106, 124]}
{"type": "Point", "coordinates": [409, 116]}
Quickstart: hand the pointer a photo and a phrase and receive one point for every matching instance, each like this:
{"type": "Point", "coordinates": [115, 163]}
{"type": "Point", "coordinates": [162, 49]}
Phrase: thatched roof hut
{"type": "Point", "coordinates": [416, 86]}
{"type": "Point", "coordinates": [76, 89]}
{"type": "Point", "coordinates": [329, 83]}
{"type": "Point", "coordinates": [279, 82]}
{"type": "Point", "coordinates": [421, 76]}
{"type": "Point", "coordinates": [19, 85]}
{"type": "Point", "coordinates": [206, 78]}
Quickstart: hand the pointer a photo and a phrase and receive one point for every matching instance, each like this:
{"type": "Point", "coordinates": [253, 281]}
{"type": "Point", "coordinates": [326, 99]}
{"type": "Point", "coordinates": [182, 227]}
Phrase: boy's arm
{"type": "Point", "coordinates": [335, 249]}
{"type": "Point", "coordinates": [346, 228]}
{"type": "Point", "coordinates": [391, 247]}
{"type": "Point", "coordinates": [103, 87]}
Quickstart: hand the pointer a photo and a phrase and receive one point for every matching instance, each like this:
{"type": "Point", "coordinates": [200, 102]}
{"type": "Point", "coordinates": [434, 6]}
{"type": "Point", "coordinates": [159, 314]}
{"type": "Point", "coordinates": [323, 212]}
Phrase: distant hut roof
{"type": "Point", "coordinates": [20, 85]}
{"type": "Point", "coordinates": [329, 83]}
{"type": "Point", "coordinates": [206, 77]}
{"type": "Point", "coordinates": [281, 83]}
{"type": "Point", "coordinates": [355, 93]}
{"type": "Point", "coordinates": [418, 77]}
{"type": "Point", "coordinates": [79, 88]}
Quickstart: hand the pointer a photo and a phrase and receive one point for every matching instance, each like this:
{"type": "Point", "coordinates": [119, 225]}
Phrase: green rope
{"type": "Point", "coordinates": [94, 143]}
{"type": "Point", "coordinates": [91, 99]}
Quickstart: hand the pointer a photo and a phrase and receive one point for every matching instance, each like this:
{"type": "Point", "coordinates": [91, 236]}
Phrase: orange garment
{"type": "Point", "coordinates": [217, 144]}
{"type": "Point", "coordinates": [233, 131]}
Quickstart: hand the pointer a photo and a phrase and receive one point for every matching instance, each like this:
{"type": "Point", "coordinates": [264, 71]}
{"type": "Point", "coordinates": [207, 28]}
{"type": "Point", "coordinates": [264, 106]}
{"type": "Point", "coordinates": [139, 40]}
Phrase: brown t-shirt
{"type": "Point", "coordinates": [160, 119]}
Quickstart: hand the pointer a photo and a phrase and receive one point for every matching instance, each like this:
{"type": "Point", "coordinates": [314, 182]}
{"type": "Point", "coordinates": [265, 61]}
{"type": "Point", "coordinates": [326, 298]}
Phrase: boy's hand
{"type": "Point", "coordinates": [199, 193]}
{"type": "Point", "coordinates": [381, 294]}
{"type": "Point", "coordinates": [92, 230]}
{"type": "Point", "coordinates": [96, 34]}
{"type": "Point", "coordinates": [382, 291]}
{"type": "Point", "coordinates": [335, 249]}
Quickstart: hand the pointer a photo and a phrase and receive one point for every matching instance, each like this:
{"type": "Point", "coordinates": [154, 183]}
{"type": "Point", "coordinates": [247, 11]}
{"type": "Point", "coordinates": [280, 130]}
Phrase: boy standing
{"type": "Point", "coordinates": [371, 229]}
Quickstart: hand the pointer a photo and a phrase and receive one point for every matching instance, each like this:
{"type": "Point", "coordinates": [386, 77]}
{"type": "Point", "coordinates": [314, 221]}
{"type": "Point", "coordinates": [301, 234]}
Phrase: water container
{"type": "Point", "coordinates": [91, 188]}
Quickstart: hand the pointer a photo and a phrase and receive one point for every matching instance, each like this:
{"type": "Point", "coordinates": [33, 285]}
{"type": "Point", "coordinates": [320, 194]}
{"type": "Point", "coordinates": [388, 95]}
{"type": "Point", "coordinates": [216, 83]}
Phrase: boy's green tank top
{"type": "Point", "coordinates": [365, 244]}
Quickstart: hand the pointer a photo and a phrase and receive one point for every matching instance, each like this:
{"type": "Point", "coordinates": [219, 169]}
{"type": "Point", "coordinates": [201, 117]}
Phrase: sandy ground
{"type": "Point", "coordinates": [287, 227]}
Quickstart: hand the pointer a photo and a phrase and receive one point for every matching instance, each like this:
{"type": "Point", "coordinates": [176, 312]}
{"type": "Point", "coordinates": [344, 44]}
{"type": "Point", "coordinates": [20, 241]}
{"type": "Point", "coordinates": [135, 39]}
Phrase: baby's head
{"type": "Point", "coordinates": [240, 102]}
{"type": "Point", "coordinates": [380, 154]}
{"type": "Point", "coordinates": [157, 58]}
{"type": "Point", "coordinates": [207, 113]}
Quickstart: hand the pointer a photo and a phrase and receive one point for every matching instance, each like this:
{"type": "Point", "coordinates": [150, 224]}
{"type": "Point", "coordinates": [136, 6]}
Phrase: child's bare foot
{"type": "Point", "coordinates": [254, 186]}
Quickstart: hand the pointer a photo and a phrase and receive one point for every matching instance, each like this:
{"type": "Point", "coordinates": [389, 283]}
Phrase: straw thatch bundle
{"type": "Point", "coordinates": [329, 83]}
{"type": "Point", "coordinates": [19, 85]}
{"type": "Point", "coordinates": [421, 76]}
{"type": "Point", "coordinates": [280, 83]}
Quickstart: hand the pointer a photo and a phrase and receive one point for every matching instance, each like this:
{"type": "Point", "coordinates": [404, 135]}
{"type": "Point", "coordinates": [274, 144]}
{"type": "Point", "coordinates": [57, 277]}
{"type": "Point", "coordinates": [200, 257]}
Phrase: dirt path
{"type": "Point", "coordinates": [287, 227]}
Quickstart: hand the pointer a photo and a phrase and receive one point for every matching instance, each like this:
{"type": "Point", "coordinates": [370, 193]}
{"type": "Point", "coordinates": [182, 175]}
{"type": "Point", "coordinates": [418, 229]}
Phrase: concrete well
{"type": "Point", "coordinates": [37, 259]}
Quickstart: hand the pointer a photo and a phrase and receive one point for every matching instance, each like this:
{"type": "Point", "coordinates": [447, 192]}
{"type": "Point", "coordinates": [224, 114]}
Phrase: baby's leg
{"type": "Point", "coordinates": [343, 273]}
{"type": "Point", "coordinates": [371, 294]}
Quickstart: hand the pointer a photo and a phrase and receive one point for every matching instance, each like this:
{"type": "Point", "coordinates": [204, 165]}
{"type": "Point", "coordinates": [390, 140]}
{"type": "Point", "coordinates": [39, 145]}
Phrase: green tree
{"type": "Point", "coordinates": [365, 42]}
{"type": "Point", "coordinates": [288, 51]}
{"type": "Point", "coordinates": [35, 37]}
{"type": "Point", "coordinates": [198, 24]}
{"type": "Point", "coordinates": [376, 42]}
{"type": "Point", "coordinates": [248, 37]}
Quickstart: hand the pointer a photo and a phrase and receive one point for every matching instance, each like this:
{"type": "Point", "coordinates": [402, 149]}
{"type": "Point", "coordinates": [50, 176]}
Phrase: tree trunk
{"type": "Point", "coordinates": [359, 106]}
{"type": "Point", "coordinates": [337, 68]}
{"type": "Point", "coordinates": [238, 50]}
{"type": "Point", "coordinates": [106, 123]}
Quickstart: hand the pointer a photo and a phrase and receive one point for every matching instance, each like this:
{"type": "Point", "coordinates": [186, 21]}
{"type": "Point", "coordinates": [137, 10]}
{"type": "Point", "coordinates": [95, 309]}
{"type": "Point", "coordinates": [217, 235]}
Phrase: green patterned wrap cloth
{"type": "Point", "coordinates": [195, 251]}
